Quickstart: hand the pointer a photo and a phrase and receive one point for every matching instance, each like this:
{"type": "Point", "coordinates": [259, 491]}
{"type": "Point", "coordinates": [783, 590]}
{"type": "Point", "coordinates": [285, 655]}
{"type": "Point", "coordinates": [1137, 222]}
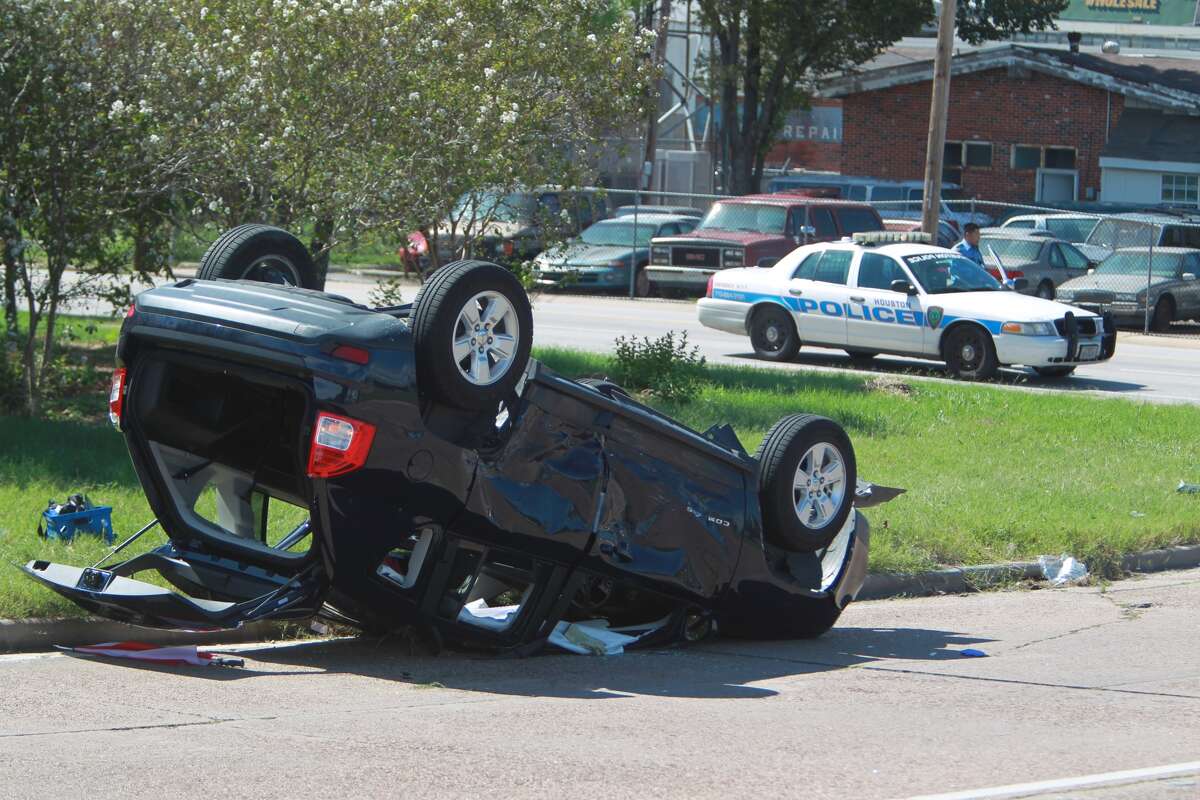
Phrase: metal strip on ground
{"type": "Point", "coordinates": [1066, 784]}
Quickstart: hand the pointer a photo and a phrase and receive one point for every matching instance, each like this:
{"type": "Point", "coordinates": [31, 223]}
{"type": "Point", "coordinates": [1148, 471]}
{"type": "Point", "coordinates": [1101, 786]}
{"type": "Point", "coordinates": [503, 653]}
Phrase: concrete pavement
{"type": "Point", "coordinates": [1151, 368]}
{"type": "Point", "coordinates": [1077, 683]}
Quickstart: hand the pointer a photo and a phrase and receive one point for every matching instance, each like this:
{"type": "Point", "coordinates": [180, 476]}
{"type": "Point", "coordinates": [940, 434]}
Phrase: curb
{"type": "Point", "coordinates": [22, 636]}
{"type": "Point", "coordinates": [32, 635]}
{"type": "Point", "coordinates": [963, 580]}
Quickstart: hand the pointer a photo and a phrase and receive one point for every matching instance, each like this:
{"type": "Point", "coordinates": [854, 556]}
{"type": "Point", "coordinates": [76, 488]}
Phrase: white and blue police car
{"type": "Point", "coordinates": [890, 292]}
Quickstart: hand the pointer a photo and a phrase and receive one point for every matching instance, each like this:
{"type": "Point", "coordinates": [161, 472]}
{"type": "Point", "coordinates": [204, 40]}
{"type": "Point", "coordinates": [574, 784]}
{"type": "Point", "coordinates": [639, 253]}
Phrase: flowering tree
{"type": "Point", "coordinates": [120, 119]}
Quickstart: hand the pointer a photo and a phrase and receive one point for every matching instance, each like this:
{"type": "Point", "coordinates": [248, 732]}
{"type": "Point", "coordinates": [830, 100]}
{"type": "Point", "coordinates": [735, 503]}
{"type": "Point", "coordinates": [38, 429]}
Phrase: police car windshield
{"type": "Point", "coordinates": [944, 273]}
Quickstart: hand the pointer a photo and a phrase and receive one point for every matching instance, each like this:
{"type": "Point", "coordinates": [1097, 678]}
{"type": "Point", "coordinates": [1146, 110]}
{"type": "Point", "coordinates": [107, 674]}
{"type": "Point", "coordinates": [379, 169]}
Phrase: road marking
{"type": "Point", "coordinates": [1063, 784]}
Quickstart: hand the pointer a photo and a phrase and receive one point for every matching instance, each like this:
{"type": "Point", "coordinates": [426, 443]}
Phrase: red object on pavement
{"type": "Point", "coordinates": [140, 651]}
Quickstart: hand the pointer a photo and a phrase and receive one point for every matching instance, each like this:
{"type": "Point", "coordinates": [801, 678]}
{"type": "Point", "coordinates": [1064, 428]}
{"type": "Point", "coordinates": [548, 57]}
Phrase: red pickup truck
{"type": "Point", "coordinates": [755, 230]}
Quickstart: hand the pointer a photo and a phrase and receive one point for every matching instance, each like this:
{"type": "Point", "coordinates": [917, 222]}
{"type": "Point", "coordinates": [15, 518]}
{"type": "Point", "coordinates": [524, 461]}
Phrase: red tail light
{"type": "Point", "coordinates": [508, 247]}
{"type": "Point", "coordinates": [708, 291]}
{"type": "Point", "coordinates": [339, 445]}
{"type": "Point", "coordinates": [116, 397]}
{"type": "Point", "coordinates": [1013, 274]}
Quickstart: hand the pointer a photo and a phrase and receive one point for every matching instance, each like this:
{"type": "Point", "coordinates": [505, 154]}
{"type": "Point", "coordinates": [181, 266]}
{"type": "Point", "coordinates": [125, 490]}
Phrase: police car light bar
{"type": "Point", "coordinates": [891, 237]}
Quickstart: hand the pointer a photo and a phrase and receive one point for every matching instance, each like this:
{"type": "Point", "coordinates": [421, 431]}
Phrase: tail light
{"type": "Point", "coordinates": [339, 445]}
{"type": "Point", "coordinates": [508, 247]}
{"type": "Point", "coordinates": [1013, 274]}
{"type": "Point", "coordinates": [708, 291]}
{"type": "Point", "coordinates": [116, 397]}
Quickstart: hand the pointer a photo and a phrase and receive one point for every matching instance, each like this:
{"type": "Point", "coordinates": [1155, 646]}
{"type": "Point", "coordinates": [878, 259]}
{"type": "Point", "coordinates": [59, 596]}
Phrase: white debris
{"type": "Point", "coordinates": [1062, 570]}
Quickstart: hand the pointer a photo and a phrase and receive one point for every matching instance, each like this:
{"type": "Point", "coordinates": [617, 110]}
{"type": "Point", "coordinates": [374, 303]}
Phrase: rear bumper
{"type": "Point", "coordinates": [723, 315]}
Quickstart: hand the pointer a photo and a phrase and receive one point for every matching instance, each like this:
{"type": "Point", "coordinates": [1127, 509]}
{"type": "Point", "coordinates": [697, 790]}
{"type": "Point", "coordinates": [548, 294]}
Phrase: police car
{"type": "Point", "coordinates": [893, 292]}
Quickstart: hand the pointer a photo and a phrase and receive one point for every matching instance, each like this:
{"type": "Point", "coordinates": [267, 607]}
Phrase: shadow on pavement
{"type": "Point", "coordinates": [898, 365]}
{"type": "Point", "coordinates": [722, 668]}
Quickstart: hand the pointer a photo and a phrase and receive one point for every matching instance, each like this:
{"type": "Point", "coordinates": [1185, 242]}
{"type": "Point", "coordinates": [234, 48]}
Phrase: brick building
{"type": "Point", "coordinates": [1025, 123]}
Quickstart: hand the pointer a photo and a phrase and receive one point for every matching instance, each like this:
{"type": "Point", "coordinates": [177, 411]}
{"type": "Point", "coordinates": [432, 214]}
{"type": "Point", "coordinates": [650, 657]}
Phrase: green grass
{"type": "Point", "coordinates": [992, 474]}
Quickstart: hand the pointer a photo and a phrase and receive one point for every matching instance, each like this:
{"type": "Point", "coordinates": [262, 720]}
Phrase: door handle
{"type": "Point", "coordinates": [854, 299]}
{"type": "Point", "coordinates": [796, 292]}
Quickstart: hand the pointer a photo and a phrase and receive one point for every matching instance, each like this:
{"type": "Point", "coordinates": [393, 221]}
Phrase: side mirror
{"type": "Point", "coordinates": [1020, 284]}
{"type": "Point", "coordinates": [903, 287]}
{"type": "Point", "coordinates": [1189, 276]}
{"type": "Point", "coordinates": [767, 262]}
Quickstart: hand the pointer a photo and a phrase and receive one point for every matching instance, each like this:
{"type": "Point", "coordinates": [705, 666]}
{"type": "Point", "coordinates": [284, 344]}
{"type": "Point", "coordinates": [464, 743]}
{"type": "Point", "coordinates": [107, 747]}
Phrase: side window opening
{"type": "Point", "coordinates": [808, 267]}
{"type": "Point", "coordinates": [834, 266]}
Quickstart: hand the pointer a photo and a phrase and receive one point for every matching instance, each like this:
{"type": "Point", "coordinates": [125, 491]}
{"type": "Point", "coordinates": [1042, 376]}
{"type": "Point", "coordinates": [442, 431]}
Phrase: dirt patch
{"type": "Point", "coordinates": [885, 384]}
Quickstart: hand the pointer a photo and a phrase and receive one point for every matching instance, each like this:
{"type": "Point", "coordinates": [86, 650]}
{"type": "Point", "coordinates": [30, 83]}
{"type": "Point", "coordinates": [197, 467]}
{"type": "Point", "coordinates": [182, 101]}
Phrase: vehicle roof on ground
{"type": "Point", "coordinates": [648, 219]}
{"type": "Point", "coordinates": [787, 200]}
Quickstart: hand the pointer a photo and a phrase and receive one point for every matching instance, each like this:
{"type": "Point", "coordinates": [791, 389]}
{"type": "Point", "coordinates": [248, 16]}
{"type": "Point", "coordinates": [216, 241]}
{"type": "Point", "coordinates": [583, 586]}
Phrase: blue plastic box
{"type": "Point", "coordinates": [96, 521]}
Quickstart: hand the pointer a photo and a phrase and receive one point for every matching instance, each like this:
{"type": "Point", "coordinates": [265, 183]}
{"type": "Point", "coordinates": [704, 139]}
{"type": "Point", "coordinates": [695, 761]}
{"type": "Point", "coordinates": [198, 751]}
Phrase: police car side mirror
{"type": "Point", "coordinates": [1020, 284]}
{"type": "Point", "coordinates": [903, 287]}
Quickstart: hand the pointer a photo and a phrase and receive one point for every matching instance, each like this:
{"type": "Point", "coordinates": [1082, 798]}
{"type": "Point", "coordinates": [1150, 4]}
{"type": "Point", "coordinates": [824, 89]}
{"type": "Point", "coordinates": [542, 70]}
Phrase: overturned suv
{"type": "Point", "coordinates": [413, 466]}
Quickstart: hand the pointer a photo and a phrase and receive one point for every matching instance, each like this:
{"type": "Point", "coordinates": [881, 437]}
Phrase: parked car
{"type": "Point", "coordinates": [1132, 280]}
{"type": "Point", "coordinates": [947, 236]}
{"type": "Point", "coordinates": [1043, 261]}
{"type": "Point", "coordinates": [893, 199]}
{"type": "Point", "coordinates": [600, 257]}
{"type": "Point", "coordinates": [754, 230]}
{"type": "Point", "coordinates": [682, 211]}
{"type": "Point", "coordinates": [515, 226]}
{"type": "Point", "coordinates": [1073, 228]}
{"type": "Point", "coordinates": [421, 505]}
{"type": "Point", "coordinates": [880, 294]}
{"type": "Point", "coordinates": [1155, 229]}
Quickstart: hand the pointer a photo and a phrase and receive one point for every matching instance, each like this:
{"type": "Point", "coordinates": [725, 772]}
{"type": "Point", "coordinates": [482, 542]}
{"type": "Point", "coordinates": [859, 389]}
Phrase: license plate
{"type": "Point", "coordinates": [1089, 352]}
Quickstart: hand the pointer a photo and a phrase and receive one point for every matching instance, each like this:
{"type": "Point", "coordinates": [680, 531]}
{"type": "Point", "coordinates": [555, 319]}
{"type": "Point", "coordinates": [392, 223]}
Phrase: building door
{"type": "Point", "coordinates": [1057, 185]}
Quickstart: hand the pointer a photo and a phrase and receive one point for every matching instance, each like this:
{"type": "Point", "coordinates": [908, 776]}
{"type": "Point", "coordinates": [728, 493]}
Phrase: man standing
{"type": "Point", "coordinates": [969, 246]}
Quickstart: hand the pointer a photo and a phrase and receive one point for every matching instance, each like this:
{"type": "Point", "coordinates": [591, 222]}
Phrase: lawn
{"type": "Point", "coordinates": [370, 250]}
{"type": "Point", "coordinates": [992, 474]}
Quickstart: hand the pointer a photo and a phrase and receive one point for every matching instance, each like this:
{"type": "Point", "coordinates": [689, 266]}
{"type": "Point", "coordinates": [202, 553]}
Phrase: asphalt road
{"type": "Point", "coordinates": [1077, 683]}
{"type": "Point", "coordinates": [1157, 369]}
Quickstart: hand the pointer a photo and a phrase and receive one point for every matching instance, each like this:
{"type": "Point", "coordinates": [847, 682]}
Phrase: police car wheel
{"type": "Point", "coordinates": [773, 334]}
{"type": "Point", "coordinates": [807, 479]}
{"type": "Point", "coordinates": [970, 354]}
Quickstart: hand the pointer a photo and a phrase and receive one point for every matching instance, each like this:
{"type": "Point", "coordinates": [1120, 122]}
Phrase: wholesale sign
{"type": "Point", "coordinates": [1150, 12]}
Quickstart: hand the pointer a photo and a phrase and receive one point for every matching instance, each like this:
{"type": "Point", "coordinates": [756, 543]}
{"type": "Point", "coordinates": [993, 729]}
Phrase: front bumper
{"type": "Point", "coordinates": [695, 278]}
{"type": "Point", "coordinates": [723, 315]}
{"type": "Point", "coordinates": [1054, 351]}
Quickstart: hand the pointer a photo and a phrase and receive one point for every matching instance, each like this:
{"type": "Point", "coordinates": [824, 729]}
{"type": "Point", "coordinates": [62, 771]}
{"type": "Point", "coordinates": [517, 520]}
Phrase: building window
{"type": "Point", "coordinates": [968, 154]}
{"type": "Point", "coordinates": [1028, 156]}
{"type": "Point", "coordinates": [1181, 189]}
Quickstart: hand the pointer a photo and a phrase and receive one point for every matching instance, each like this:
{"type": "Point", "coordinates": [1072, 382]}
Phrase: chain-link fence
{"type": "Point", "coordinates": [1140, 267]}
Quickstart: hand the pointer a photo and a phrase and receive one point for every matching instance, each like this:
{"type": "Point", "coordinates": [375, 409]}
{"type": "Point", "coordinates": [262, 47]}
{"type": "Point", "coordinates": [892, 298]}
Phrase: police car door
{"type": "Point", "coordinates": [818, 295]}
{"type": "Point", "coordinates": [877, 318]}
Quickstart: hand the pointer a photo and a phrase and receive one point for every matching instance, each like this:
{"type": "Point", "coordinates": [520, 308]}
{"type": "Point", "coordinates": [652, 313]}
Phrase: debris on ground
{"type": "Point", "coordinates": [885, 384]}
{"type": "Point", "coordinates": [1062, 570]}
{"type": "Point", "coordinates": [971, 652]}
{"type": "Point", "coordinates": [1188, 488]}
{"type": "Point", "coordinates": [167, 656]}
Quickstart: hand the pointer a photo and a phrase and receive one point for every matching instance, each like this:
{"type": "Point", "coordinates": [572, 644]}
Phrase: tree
{"type": "Point", "coordinates": [771, 53]}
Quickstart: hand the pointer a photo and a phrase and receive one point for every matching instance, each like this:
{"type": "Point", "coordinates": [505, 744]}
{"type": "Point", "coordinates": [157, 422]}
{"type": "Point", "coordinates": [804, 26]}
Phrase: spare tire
{"type": "Point", "coordinates": [260, 253]}
{"type": "Point", "coordinates": [807, 478]}
{"type": "Point", "coordinates": [472, 331]}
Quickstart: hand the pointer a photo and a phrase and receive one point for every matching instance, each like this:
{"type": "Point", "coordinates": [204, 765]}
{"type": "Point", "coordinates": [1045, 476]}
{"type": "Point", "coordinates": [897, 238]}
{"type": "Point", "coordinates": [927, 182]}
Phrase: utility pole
{"type": "Point", "coordinates": [660, 53]}
{"type": "Point", "coordinates": [938, 109]}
